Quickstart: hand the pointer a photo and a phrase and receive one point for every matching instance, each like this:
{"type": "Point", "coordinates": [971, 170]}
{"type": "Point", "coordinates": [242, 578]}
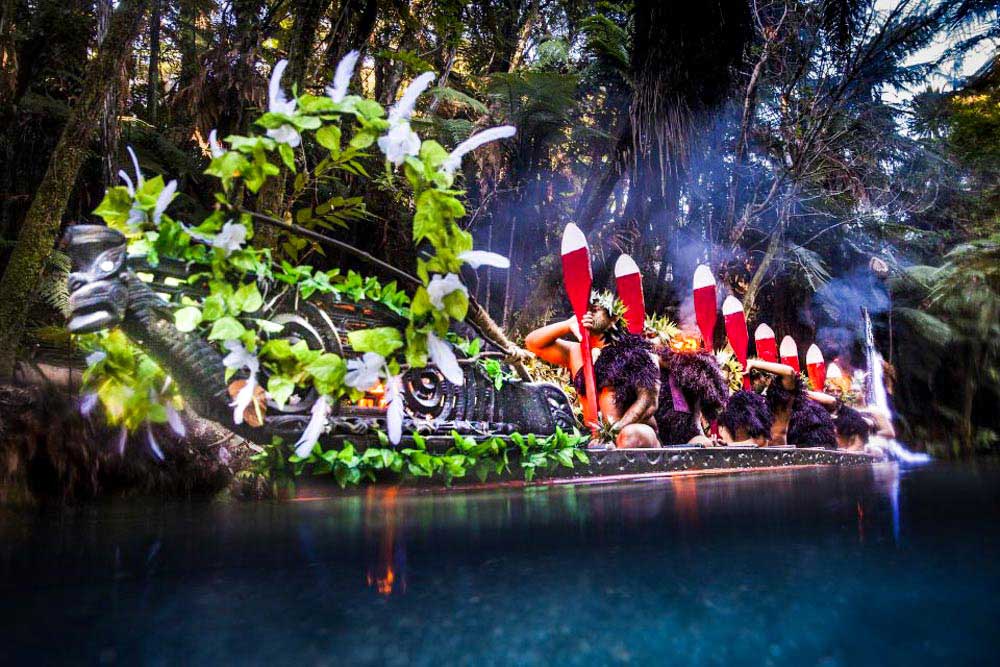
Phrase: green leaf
{"type": "Point", "coordinates": [287, 154]}
{"type": "Point", "coordinates": [381, 340]}
{"type": "Point", "coordinates": [214, 307]}
{"type": "Point", "coordinates": [115, 206]}
{"type": "Point", "coordinates": [280, 388]}
{"type": "Point", "coordinates": [456, 304]}
{"type": "Point", "coordinates": [247, 298]}
{"type": "Point", "coordinates": [328, 372]}
{"type": "Point", "coordinates": [369, 109]}
{"type": "Point", "coordinates": [303, 354]}
{"type": "Point", "coordinates": [226, 328]}
{"type": "Point", "coordinates": [328, 137]}
{"type": "Point", "coordinates": [278, 349]}
{"type": "Point", "coordinates": [187, 319]}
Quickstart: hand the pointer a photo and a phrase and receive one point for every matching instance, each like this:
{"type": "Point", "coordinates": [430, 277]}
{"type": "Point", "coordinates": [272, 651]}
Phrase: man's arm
{"type": "Point", "coordinates": [642, 409]}
{"type": "Point", "coordinates": [826, 400]}
{"type": "Point", "coordinates": [883, 424]}
{"type": "Point", "coordinates": [784, 371]}
{"type": "Point", "coordinates": [547, 343]}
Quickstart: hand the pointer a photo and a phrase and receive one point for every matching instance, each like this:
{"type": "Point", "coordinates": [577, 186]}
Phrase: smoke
{"type": "Point", "coordinates": [836, 309]}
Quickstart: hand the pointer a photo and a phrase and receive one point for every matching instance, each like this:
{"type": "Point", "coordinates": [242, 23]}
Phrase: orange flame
{"type": "Point", "coordinates": [685, 344]}
{"type": "Point", "coordinates": [374, 398]}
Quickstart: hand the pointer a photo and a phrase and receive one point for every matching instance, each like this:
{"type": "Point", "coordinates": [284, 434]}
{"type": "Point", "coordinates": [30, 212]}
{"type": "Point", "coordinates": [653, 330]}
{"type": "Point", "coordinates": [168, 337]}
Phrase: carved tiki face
{"type": "Point", "coordinates": [98, 295]}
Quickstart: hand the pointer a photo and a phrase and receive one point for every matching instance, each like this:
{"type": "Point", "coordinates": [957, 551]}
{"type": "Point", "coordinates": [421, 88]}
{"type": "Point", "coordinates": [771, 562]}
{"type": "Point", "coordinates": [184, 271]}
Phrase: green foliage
{"type": "Point", "coordinates": [465, 456]}
{"type": "Point", "coordinates": [133, 389]}
{"type": "Point", "coordinates": [231, 271]}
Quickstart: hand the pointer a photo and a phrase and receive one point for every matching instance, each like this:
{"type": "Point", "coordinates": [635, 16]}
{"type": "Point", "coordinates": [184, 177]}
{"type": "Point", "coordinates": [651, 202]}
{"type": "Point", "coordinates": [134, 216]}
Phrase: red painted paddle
{"type": "Point", "coordinates": [628, 281]}
{"type": "Point", "coordinates": [705, 304]}
{"type": "Point", "coordinates": [736, 332]}
{"type": "Point", "coordinates": [789, 352]}
{"type": "Point", "coordinates": [816, 367]}
{"type": "Point", "coordinates": [578, 278]}
{"type": "Point", "coordinates": [767, 346]}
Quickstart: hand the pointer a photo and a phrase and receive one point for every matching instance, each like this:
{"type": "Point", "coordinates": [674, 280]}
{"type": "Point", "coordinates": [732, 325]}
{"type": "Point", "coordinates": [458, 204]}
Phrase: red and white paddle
{"type": "Point", "coordinates": [767, 346]}
{"type": "Point", "coordinates": [578, 278]}
{"type": "Point", "coordinates": [705, 304]}
{"type": "Point", "coordinates": [736, 332]}
{"type": "Point", "coordinates": [628, 282]}
{"type": "Point", "coordinates": [789, 352]}
{"type": "Point", "coordinates": [816, 367]}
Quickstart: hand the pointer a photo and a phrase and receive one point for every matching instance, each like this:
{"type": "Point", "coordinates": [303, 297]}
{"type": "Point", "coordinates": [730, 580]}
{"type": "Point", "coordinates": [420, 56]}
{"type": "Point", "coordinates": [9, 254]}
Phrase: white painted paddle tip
{"type": "Point", "coordinates": [833, 371]}
{"type": "Point", "coordinates": [763, 332]}
{"type": "Point", "coordinates": [788, 347]}
{"type": "Point", "coordinates": [572, 239]}
{"type": "Point", "coordinates": [814, 355]}
{"type": "Point", "coordinates": [625, 266]}
{"type": "Point", "coordinates": [731, 306]}
{"type": "Point", "coordinates": [703, 277]}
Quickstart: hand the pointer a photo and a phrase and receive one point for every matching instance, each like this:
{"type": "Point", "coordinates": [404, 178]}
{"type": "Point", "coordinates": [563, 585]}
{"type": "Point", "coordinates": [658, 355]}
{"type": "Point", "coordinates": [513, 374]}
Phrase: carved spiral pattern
{"type": "Point", "coordinates": [427, 395]}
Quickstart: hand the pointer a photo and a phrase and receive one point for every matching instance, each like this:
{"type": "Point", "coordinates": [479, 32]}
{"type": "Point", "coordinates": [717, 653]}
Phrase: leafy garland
{"type": "Point", "coordinates": [136, 393]}
{"type": "Point", "coordinates": [490, 456]}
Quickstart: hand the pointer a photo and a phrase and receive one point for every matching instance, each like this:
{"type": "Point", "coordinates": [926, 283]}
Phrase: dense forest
{"type": "Point", "coordinates": [763, 137]}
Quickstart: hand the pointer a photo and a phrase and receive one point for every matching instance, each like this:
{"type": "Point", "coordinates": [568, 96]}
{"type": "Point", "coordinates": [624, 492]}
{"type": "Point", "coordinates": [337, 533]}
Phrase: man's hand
{"type": "Point", "coordinates": [574, 326]}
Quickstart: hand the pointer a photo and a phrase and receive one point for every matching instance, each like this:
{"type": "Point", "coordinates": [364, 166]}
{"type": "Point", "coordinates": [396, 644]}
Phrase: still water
{"type": "Point", "coordinates": [826, 566]}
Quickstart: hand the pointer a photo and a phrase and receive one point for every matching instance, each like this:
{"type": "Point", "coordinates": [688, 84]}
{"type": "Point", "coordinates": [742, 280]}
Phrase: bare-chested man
{"type": "Point", "coordinates": [624, 367]}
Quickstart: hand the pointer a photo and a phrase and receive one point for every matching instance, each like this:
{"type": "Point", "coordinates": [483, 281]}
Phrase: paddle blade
{"type": "Point", "coordinates": [705, 304]}
{"type": "Point", "coordinates": [789, 352]}
{"type": "Point", "coordinates": [736, 331]}
{"type": "Point", "coordinates": [767, 346]}
{"type": "Point", "coordinates": [816, 367]}
{"type": "Point", "coordinates": [576, 269]}
{"type": "Point", "coordinates": [628, 282]}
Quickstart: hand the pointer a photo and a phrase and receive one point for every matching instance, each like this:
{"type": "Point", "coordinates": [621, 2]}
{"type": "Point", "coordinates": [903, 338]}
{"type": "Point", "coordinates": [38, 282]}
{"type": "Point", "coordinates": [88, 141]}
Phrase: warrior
{"type": "Point", "coordinates": [854, 425]}
{"type": "Point", "coordinates": [746, 420]}
{"type": "Point", "coordinates": [692, 392]}
{"type": "Point", "coordinates": [798, 420]}
{"type": "Point", "coordinates": [624, 367]}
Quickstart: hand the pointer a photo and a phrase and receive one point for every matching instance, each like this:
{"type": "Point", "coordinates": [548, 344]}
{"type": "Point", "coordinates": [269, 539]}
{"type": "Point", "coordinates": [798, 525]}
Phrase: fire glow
{"type": "Point", "coordinates": [374, 398]}
{"type": "Point", "coordinates": [685, 344]}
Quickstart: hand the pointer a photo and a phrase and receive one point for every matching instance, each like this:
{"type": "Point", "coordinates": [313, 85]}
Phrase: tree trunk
{"type": "Point", "coordinates": [41, 224]}
{"type": "Point", "coordinates": [154, 62]}
{"type": "Point", "coordinates": [110, 129]}
{"type": "Point", "coordinates": [968, 402]}
{"type": "Point", "coordinates": [304, 28]}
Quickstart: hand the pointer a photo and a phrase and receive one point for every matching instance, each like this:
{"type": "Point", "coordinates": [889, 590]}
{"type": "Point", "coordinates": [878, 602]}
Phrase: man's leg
{"type": "Point", "coordinates": [637, 435]}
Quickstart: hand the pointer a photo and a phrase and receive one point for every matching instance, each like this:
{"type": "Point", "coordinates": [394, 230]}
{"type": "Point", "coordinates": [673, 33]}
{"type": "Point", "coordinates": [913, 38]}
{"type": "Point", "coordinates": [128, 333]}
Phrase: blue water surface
{"type": "Point", "coordinates": [820, 566]}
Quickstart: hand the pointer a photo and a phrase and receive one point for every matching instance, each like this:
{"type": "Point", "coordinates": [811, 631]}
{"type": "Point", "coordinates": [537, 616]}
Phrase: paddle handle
{"type": "Point", "coordinates": [589, 381]}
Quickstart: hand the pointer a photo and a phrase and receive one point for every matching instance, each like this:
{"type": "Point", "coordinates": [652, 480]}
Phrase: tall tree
{"type": "Point", "coordinates": [41, 225]}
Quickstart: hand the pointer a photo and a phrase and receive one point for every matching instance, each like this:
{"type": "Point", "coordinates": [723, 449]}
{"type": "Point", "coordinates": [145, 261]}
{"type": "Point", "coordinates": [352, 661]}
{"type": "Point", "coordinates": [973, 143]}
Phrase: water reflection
{"type": "Point", "coordinates": [790, 563]}
{"type": "Point", "coordinates": [386, 572]}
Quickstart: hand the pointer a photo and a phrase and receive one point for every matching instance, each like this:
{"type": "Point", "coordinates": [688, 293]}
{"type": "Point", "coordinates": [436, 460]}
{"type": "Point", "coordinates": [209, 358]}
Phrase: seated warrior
{"type": "Point", "coordinates": [746, 420]}
{"type": "Point", "coordinates": [692, 392]}
{"type": "Point", "coordinates": [624, 367]}
{"type": "Point", "coordinates": [854, 426]}
{"type": "Point", "coordinates": [798, 420]}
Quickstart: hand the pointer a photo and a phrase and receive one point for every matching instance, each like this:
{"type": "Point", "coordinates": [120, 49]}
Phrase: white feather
{"type": "Point", "coordinates": [444, 358]}
{"type": "Point", "coordinates": [402, 109]}
{"type": "Point", "coordinates": [394, 415]}
{"type": "Point", "coordinates": [454, 160]}
{"type": "Point", "coordinates": [153, 445]}
{"type": "Point", "coordinates": [175, 422]}
{"type": "Point", "coordinates": [135, 163]}
{"type": "Point", "coordinates": [129, 185]}
{"type": "Point", "coordinates": [342, 77]}
{"type": "Point", "coordinates": [277, 102]}
{"type": "Point", "coordinates": [315, 427]}
{"type": "Point", "coordinates": [163, 201]}
{"type": "Point", "coordinates": [477, 258]}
